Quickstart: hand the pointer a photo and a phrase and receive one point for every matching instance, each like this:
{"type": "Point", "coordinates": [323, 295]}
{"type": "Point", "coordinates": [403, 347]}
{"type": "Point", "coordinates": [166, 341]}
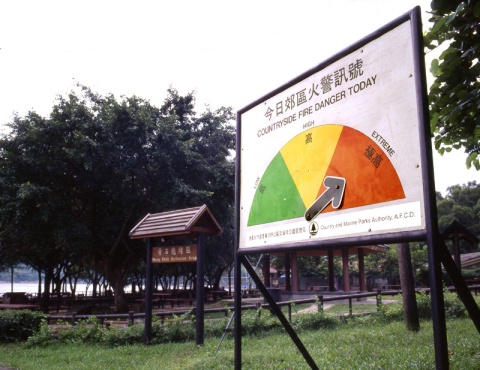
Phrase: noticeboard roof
{"type": "Point", "coordinates": [470, 260]}
{"type": "Point", "coordinates": [183, 222]}
{"type": "Point", "coordinates": [461, 231]}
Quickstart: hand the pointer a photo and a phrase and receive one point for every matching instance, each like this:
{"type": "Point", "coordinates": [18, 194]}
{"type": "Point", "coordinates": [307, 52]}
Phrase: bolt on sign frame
{"type": "Point", "coordinates": [341, 156]}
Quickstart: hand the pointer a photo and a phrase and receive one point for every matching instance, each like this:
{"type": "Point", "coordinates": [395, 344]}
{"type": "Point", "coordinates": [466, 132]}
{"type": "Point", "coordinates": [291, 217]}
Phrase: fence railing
{"type": "Point", "coordinates": [129, 318]}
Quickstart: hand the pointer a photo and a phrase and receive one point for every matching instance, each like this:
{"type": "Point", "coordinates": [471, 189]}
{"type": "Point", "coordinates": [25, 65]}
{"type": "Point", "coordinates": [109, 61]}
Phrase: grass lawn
{"type": "Point", "coordinates": [360, 343]}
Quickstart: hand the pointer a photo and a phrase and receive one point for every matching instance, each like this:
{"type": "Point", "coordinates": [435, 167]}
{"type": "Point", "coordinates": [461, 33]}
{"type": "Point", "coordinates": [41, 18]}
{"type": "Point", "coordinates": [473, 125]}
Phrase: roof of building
{"type": "Point", "coordinates": [469, 260]}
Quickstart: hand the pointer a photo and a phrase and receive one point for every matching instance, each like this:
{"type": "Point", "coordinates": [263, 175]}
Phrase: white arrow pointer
{"type": "Point", "coordinates": [334, 193]}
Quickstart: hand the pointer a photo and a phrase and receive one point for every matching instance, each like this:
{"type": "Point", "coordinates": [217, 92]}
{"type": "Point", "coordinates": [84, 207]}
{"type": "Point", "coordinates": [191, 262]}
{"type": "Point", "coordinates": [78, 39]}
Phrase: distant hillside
{"type": "Point", "coordinates": [20, 274]}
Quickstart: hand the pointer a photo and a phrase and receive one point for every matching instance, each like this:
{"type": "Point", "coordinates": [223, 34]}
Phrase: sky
{"type": "Point", "coordinates": [229, 52]}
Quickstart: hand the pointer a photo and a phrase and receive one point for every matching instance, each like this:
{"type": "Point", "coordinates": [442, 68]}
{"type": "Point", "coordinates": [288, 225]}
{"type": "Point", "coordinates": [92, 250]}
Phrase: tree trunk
{"type": "Point", "coordinates": [230, 269]}
{"type": "Point", "coordinates": [46, 290]}
{"type": "Point", "coordinates": [408, 287]}
{"type": "Point", "coordinates": [121, 305]}
{"type": "Point", "coordinates": [39, 293]}
{"type": "Point", "coordinates": [11, 278]}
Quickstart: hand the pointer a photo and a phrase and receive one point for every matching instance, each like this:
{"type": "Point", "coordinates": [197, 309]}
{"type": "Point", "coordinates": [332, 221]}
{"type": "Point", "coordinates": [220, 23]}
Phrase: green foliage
{"type": "Point", "coordinates": [314, 321]}
{"type": "Point", "coordinates": [43, 337]}
{"type": "Point", "coordinates": [120, 336]}
{"type": "Point", "coordinates": [259, 322]}
{"type": "Point", "coordinates": [473, 273]}
{"type": "Point", "coordinates": [18, 325]}
{"type": "Point", "coordinates": [363, 343]}
{"type": "Point", "coordinates": [461, 204]}
{"type": "Point", "coordinates": [75, 183]}
{"type": "Point", "coordinates": [178, 329]}
{"type": "Point", "coordinates": [390, 345]}
{"type": "Point", "coordinates": [454, 95]}
{"type": "Point", "coordinates": [85, 331]}
{"type": "Point", "coordinates": [454, 307]}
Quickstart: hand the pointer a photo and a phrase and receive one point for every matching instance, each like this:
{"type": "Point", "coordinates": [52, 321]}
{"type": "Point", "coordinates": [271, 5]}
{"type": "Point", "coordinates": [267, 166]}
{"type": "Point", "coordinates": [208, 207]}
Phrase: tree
{"type": "Point", "coordinates": [78, 181]}
{"type": "Point", "coordinates": [455, 93]}
{"type": "Point", "coordinates": [461, 204]}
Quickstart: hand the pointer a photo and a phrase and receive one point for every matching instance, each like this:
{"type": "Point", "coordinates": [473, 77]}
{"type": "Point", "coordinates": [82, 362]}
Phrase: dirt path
{"type": "Point", "coordinates": [313, 308]}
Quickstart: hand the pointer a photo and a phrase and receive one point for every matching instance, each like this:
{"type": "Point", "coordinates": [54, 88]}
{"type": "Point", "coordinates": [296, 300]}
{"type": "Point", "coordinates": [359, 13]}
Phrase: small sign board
{"type": "Point", "coordinates": [175, 254]}
{"type": "Point", "coordinates": [336, 154]}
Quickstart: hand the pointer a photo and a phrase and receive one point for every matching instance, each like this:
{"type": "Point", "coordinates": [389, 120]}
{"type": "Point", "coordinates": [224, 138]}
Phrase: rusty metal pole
{"type": "Point", "coordinates": [237, 328]}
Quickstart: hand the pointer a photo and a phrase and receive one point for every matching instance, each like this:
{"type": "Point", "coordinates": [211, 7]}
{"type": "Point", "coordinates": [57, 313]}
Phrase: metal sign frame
{"type": "Point", "coordinates": [355, 96]}
{"type": "Point", "coordinates": [428, 230]}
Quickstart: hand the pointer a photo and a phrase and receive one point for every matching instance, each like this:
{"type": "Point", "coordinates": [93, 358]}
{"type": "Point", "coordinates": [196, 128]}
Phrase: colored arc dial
{"type": "Point", "coordinates": [301, 180]}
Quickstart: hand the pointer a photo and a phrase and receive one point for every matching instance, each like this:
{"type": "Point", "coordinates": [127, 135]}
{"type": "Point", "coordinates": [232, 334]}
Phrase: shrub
{"type": "Point", "coordinates": [179, 329]}
{"type": "Point", "coordinates": [119, 336]}
{"type": "Point", "coordinates": [43, 337]}
{"type": "Point", "coordinates": [85, 331]}
{"type": "Point", "coordinates": [454, 307]}
{"type": "Point", "coordinates": [19, 325]}
{"type": "Point", "coordinates": [259, 321]}
{"type": "Point", "coordinates": [314, 321]}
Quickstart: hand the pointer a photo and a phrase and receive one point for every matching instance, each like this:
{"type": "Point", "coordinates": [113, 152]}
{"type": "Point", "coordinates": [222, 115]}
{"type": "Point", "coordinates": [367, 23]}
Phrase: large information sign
{"type": "Point", "coordinates": [335, 155]}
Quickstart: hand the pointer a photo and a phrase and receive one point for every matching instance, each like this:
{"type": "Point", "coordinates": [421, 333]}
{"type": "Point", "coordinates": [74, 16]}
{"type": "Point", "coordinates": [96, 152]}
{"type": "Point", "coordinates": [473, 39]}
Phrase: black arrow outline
{"type": "Point", "coordinates": [334, 194]}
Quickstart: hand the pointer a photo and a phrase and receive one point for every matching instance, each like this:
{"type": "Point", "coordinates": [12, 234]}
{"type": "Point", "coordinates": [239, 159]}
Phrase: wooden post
{"type": "Point", "coordinates": [331, 272]}
{"type": "Point", "coordinates": [148, 294]}
{"type": "Point", "coordinates": [200, 291]}
{"type": "Point", "coordinates": [320, 303]}
{"type": "Point", "coordinates": [456, 250]}
{"type": "Point", "coordinates": [288, 272]}
{"type": "Point", "coordinates": [361, 270]}
{"type": "Point", "coordinates": [295, 274]}
{"type": "Point", "coordinates": [346, 272]}
{"type": "Point", "coordinates": [410, 310]}
{"type": "Point", "coordinates": [266, 270]}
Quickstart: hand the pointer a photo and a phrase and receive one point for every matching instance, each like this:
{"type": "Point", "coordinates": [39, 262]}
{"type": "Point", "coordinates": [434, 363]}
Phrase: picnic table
{"type": "Point", "coordinates": [216, 294]}
{"type": "Point", "coordinates": [390, 287]}
{"type": "Point", "coordinates": [18, 306]}
{"type": "Point", "coordinates": [318, 287]}
{"type": "Point", "coordinates": [160, 298]}
{"type": "Point", "coordinates": [157, 298]}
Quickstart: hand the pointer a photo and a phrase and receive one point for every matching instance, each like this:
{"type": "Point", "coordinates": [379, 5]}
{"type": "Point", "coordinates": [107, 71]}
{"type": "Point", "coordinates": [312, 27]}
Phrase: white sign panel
{"type": "Point", "coordinates": [336, 154]}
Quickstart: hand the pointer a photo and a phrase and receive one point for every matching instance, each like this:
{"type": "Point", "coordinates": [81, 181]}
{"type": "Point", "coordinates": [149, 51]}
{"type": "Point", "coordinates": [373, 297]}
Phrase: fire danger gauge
{"type": "Point", "coordinates": [336, 153]}
{"type": "Point", "coordinates": [311, 173]}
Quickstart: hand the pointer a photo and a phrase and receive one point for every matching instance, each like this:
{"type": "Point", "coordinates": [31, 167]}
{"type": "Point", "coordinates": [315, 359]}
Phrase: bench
{"type": "Point", "coordinates": [18, 306]}
{"type": "Point", "coordinates": [172, 301]}
{"type": "Point", "coordinates": [318, 287]}
{"type": "Point", "coordinates": [120, 323]}
{"type": "Point", "coordinates": [390, 287]}
{"type": "Point", "coordinates": [159, 302]}
{"type": "Point", "coordinates": [15, 297]}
